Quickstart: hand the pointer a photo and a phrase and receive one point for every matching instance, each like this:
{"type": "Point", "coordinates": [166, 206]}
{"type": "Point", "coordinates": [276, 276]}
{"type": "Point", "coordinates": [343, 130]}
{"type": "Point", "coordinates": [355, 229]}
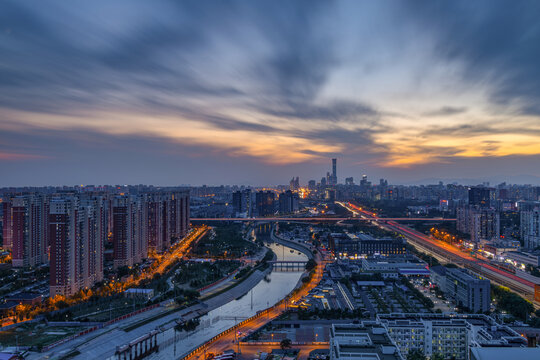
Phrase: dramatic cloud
{"type": "Point", "coordinates": [269, 88]}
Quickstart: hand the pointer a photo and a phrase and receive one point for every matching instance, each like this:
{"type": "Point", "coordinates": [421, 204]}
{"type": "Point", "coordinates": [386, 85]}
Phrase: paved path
{"type": "Point", "coordinates": [102, 343]}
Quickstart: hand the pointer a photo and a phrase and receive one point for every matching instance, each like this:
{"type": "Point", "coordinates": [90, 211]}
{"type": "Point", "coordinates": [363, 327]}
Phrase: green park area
{"type": "Point", "coordinates": [224, 242]}
{"type": "Point", "coordinates": [37, 334]}
{"type": "Point", "coordinates": [199, 274]}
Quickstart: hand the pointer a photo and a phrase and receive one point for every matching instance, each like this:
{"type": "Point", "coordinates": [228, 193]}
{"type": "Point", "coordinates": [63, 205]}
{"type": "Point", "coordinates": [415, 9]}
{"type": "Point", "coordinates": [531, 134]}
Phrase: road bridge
{"type": "Point", "coordinates": [319, 219]}
{"type": "Point", "coordinates": [288, 265]}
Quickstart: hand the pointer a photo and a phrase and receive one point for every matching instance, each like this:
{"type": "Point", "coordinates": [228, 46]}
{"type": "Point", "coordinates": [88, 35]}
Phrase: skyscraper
{"type": "Point", "coordinates": [334, 171]}
{"type": "Point", "coordinates": [294, 184]}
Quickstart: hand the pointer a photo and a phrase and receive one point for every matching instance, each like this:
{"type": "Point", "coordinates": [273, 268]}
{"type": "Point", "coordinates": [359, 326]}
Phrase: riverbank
{"type": "Point", "coordinates": [303, 248]}
{"type": "Point", "coordinates": [223, 340]}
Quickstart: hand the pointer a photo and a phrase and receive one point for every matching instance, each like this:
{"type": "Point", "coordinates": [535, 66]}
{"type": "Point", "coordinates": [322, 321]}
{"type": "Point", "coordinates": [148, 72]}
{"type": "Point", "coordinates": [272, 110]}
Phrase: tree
{"type": "Point", "coordinates": [416, 354]}
{"type": "Point", "coordinates": [188, 326]}
{"type": "Point", "coordinates": [310, 265]}
{"type": "Point", "coordinates": [285, 344]}
{"type": "Point", "coordinates": [437, 356]}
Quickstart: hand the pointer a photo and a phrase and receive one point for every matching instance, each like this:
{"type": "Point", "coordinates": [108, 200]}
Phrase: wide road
{"type": "Point", "coordinates": [317, 219]}
{"type": "Point", "coordinates": [227, 340]}
{"type": "Point", "coordinates": [250, 352]}
{"type": "Point", "coordinates": [451, 253]}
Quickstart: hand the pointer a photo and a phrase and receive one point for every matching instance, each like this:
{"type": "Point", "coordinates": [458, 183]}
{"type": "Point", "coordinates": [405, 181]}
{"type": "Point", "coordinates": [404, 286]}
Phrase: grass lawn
{"type": "Point", "coordinates": [37, 334]}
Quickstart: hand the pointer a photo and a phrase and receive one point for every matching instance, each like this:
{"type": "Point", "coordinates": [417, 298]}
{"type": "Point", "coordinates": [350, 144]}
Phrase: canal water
{"type": "Point", "coordinates": [266, 293]}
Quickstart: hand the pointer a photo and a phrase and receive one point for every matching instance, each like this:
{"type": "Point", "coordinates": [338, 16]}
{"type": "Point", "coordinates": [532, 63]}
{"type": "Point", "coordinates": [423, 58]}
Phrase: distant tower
{"type": "Point", "coordinates": [334, 171]}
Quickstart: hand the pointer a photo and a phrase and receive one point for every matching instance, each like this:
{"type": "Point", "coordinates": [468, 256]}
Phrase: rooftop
{"type": "Point", "coordinates": [368, 340]}
{"type": "Point", "coordinates": [23, 296]}
{"type": "Point", "coordinates": [504, 353]}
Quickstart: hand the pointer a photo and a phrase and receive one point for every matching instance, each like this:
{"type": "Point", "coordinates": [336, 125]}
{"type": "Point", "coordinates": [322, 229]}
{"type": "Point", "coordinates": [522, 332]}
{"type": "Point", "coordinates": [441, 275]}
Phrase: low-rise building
{"type": "Point", "coordinates": [451, 335]}
{"type": "Point", "coordinates": [438, 276]}
{"type": "Point", "coordinates": [25, 298]}
{"type": "Point", "coordinates": [468, 290]}
{"type": "Point", "coordinates": [365, 341]}
{"type": "Point", "coordinates": [524, 258]}
{"type": "Point", "coordinates": [408, 265]}
{"type": "Point", "coordinates": [505, 353]}
{"type": "Point", "coordinates": [139, 293]}
{"type": "Point", "coordinates": [447, 337]}
{"type": "Point", "coordinates": [363, 245]}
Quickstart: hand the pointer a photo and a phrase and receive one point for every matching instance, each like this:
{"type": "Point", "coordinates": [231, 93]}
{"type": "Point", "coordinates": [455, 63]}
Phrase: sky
{"type": "Point", "coordinates": [256, 92]}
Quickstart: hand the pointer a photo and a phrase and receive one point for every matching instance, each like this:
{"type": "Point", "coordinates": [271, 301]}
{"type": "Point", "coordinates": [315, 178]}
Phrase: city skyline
{"type": "Point", "coordinates": [254, 93]}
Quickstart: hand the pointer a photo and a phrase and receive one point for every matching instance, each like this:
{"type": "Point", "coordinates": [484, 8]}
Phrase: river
{"type": "Point", "coordinates": [266, 293]}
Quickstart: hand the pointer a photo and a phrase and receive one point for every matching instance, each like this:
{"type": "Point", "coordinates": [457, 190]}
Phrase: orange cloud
{"type": "Point", "coordinates": [14, 157]}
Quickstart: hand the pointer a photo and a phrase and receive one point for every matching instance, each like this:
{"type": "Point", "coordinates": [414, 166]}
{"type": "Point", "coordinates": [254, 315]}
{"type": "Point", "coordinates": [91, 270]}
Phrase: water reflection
{"type": "Point", "coordinates": [266, 293]}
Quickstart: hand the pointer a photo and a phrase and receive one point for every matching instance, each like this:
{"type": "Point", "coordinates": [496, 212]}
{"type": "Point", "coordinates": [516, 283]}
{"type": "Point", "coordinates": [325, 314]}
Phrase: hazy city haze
{"type": "Point", "coordinates": [194, 92]}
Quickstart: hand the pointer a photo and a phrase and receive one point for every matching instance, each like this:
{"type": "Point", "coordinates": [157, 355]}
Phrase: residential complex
{"type": "Point", "coordinates": [69, 231]}
{"type": "Point", "coordinates": [530, 224]}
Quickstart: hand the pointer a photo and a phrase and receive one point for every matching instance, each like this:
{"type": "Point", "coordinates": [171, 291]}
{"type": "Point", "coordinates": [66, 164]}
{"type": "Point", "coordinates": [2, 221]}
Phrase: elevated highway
{"type": "Point", "coordinates": [448, 253]}
{"type": "Point", "coordinates": [319, 219]}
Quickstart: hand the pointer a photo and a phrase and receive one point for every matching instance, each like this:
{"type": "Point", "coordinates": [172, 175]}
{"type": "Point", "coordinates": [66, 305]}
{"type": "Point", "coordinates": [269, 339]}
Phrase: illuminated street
{"type": "Point", "coordinates": [453, 254]}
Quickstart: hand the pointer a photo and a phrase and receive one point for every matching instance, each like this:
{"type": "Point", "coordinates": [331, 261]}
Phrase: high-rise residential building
{"type": "Point", "coordinates": [148, 222]}
{"type": "Point", "coordinates": [177, 215]}
{"type": "Point", "coordinates": [480, 223]}
{"type": "Point", "coordinates": [349, 181]}
{"type": "Point", "coordinates": [129, 244]}
{"type": "Point", "coordinates": [92, 232]}
{"type": "Point", "coordinates": [69, 229]}
{"type": "Point", "coordinates": [25, 229]}
{"type": "Point", "coordinates": [7, 223]}
{"type": "Point", "coordinates": [288, 202]}
{"type": "Point", "coordinates": [154, 223]}
{"type": "Point", "coordinates": [485, 224]}
{"type": "Point", "coordinates": [482, 196]}
{"type": "Point", "coordinates": [530, 223]}
{"type": "Point", "coordinates": [65, 246]}
{"type": "Point", "coordinates": [77, 228]}
{"type": "Point", "coordinates": [264, 203]}
{"type": "Point", "coordinates": [242, 203]}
